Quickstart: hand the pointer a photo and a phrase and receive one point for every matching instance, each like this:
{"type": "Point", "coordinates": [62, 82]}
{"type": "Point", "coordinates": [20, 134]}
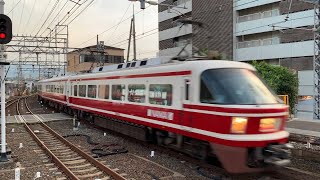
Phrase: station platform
{"type": "Point", "coordinates": [304, 127]}
{"type": "Point", "coordinates": [18, 119]}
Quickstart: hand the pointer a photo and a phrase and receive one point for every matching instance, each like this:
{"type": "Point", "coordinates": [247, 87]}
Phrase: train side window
{"type": "Point", "coordinates": [160, 94]}
{"type": "Point", "coordinates": [82, 90]}
{"type": "Point", "coordinates": [133, 64]}
{"type": "Point", "coordinates": [92, 91]}
{"type": "Point", "coordinates": [75, 90]}
{"type": "Point", "coordinates": [187, 89]}
{"type": "Point", "coordinates": [136, 93]}
{"type": "Point", "coordinates": [103, 92]}
{"type": "Point", "coordinates": [120, 66]}
{"type": "Point", "coordinates": [61, 89]}
{"type": "Point", "coordinates": [118, 92]}
{"type": "Point", "coordinates": [128, 65]}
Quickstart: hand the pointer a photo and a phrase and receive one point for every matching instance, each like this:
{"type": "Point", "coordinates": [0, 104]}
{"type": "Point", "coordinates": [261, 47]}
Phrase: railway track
{"type": "Point", "coordinates": [72, 161]}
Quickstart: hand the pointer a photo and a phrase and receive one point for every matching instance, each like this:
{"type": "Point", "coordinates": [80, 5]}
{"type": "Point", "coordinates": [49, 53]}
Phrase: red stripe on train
{"type": "Point", "coordinates": [236, 110]}
{"type": "Point", "coordinates": [180, 73]}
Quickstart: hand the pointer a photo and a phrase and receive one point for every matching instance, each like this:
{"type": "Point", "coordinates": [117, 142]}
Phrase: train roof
{"type": "Point", "coordinates": [196, 66]}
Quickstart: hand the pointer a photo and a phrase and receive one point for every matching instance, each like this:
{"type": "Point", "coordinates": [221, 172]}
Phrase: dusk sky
{"type": "Point", "coordinates": [29, 15]}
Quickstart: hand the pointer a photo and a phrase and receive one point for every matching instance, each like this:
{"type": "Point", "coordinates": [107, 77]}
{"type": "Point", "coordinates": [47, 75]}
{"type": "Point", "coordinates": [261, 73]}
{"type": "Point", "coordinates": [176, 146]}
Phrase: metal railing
{"type": "Point", "coordinates": [260, 42]}
{"type": "Point", "coordinates": [260, 15]}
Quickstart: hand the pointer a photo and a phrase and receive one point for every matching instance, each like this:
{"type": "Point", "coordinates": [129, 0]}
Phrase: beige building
{"type": "Point", "coordinates": [87, 58]}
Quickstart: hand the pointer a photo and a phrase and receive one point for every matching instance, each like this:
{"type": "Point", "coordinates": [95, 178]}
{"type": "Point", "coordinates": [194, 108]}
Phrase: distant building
{"type": "Point", "coordinates": [87, 58]}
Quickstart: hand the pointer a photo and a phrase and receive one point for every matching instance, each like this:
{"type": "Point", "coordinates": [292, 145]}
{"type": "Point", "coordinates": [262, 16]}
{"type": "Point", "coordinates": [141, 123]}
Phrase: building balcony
{"type": "Point", "coordinates": [176, 11]}
{"type": "Point", "coordinates": [276, 51]}
{"type": "Point", "coordinates": [175, 32]}
{"type": "Point", "coordinates": [174, 51]}
{"type": "Point", "coordinates": [244, 4]}
{"type": "Point", "coordinates": [298, 19]}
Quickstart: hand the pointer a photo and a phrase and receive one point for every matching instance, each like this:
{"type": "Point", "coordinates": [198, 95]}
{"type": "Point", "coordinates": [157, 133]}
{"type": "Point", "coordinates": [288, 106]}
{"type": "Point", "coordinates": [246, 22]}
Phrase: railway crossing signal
{"type": "Point", "coordinates": [5, 29]}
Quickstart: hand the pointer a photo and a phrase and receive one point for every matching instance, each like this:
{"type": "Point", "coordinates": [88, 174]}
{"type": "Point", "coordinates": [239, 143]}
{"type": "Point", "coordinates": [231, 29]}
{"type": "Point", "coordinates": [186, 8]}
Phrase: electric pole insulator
{"type": "Point", "coordinates": [5, 29]}
{"type": "Point", "coordinates": [142, 4]}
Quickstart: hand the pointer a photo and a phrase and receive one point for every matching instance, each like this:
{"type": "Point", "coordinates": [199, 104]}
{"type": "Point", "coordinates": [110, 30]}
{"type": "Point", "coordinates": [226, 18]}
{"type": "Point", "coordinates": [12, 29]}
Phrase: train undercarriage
{"type": "Point", "coordinates": [245, 160]}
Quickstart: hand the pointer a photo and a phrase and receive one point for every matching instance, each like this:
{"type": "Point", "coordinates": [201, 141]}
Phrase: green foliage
{"type": "Point", "coordinates": [281, 79]}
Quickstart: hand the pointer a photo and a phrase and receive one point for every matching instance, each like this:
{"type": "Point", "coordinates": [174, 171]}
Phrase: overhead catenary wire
{"type": "Point", "coordinates": [52, 9]}
{"type": "Point", "coordinates": [61, 9]}
{"type": "Point", "coordinates": [119, 22]}
{"type": "Point", "coordinates": [142, 34]}
{"type": "Point", "coordinates": [129, 18]}
{"type": "Point", "coordinates": [24, 2]}
{"type": "Point", "coordinates": [69, 15]}
{"type": "Point", "coordinates": [45, 10]}
{"type": "Point", "coordinates": [34, 3]}
{"type": "Point", "coordinates": [14, 6]}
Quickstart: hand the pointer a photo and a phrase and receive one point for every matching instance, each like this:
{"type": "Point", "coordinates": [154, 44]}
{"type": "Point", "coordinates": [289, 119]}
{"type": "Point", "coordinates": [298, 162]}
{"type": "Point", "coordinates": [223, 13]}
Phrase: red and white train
{"type": "Point", "coordinates": [202, 107]}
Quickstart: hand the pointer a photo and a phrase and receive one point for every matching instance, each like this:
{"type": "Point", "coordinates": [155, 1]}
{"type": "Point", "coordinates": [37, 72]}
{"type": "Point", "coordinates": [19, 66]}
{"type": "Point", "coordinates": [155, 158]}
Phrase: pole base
{"type": "Point", "coordinates": [4, 157]}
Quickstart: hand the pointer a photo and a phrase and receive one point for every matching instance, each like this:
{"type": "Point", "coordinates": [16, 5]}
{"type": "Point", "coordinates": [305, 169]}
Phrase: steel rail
{"type": "Point", "coordinates": [55, 159]}
{"type": "Point", "coordinates": [89, 158]}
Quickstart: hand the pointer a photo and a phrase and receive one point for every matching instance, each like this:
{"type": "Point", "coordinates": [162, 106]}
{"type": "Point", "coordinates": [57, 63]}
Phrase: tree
{"type": "Point", "coordinates": [281, 79]}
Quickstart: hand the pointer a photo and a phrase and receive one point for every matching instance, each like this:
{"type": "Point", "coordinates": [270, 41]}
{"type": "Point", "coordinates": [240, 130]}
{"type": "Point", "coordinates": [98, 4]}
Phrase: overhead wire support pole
{"type": "Point", "coordinates": [4, 157]}
{"type": "Point", "coordinates": [134, 36]}
{"type": "Point", "coordinates": [129, 44]}
{"type": "Point", "coordinates": [316, 63]}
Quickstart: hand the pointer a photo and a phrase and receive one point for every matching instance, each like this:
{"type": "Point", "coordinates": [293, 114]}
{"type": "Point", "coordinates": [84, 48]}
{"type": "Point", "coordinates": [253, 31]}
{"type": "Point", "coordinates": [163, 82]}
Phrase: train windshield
{"type": "Point", "coordinates": [234, 86]}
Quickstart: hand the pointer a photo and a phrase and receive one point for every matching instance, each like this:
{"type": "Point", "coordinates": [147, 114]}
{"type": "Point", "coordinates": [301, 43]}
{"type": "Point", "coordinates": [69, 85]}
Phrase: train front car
{"type": "Point", "coordinates": [244, 120]}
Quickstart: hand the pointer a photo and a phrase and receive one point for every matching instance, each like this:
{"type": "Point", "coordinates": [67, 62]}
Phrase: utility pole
{"type": "Point", "coordinates": [4, 157]}
{"type": "Point", "coordinates": [129, 44]}
{"type": "Point", "coordinates": [132, 33]}
{"type": "Point", "coordinates": [134, 37]}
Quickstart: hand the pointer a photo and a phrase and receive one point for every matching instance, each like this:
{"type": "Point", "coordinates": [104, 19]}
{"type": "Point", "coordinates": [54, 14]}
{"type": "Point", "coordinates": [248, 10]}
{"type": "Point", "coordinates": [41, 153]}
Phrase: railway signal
{"type": "Point", "coordinates": [5, 29]}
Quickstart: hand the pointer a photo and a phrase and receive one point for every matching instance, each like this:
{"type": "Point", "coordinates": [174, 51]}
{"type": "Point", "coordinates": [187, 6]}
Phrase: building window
{"type": "Point", "coordinates": [92, 91]}
{"type": "Point", "coordinates": [82, 90]}
{"type": "Point", "coordinates": [103, 92]}
{"type": "Point", "coordinates": [118, 92]}
{"type": "Point", "coordinates": [75, 90]}
{"type": "Point", "coordinates": [136, 93]}
{"type": "Point", "coordinates": [160, 94]}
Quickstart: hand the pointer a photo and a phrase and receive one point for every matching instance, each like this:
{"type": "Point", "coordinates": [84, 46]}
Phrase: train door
{"type": "Point", "coordinates": [68, 91]}
{"type": "Point", "coordinates": [186, 118]}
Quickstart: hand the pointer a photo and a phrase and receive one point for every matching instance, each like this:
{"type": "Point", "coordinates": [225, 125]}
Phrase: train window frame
{"type": "Point", "coordinates": [166, 102]}
{"type": "Point", "coordinates": [123, 94]}
{"type": "Point", "coordinates": [142, 97]}
{"type": "Point", "coordinates": [85, 92]}
{"type": "Point", "coordinates": [108, 90]}
{"type": "Point", "coordinates": [94, 94]}
{"type": "Point", "coordinates": [75, 90]}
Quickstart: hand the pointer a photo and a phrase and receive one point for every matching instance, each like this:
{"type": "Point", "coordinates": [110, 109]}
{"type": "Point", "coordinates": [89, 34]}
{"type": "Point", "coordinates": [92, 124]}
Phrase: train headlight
{"type": "Point", "coordinates": [239, 125]}
{"type": "Point", "coordinates": [269, 124]}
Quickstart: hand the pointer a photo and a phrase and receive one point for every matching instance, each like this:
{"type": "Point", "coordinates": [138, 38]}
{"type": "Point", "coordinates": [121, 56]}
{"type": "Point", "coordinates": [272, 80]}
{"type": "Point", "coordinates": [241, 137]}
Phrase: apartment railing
{"type": "Point", "coordinates": [260, 42]}
{"type": "Point", "coordinates": [260, 15]}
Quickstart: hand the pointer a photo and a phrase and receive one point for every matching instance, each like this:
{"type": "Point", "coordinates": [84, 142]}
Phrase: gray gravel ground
{"type": "Point", "coordinates": [30, 156]}
{"type": "Point", "coordinates": [138, 164]}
